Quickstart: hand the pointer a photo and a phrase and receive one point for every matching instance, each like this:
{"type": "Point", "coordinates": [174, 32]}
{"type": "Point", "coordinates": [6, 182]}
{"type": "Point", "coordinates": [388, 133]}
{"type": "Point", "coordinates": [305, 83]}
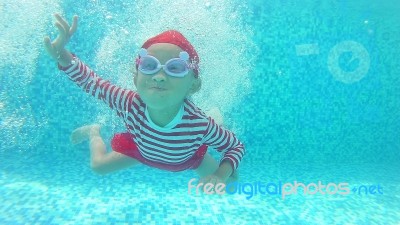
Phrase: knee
{"type": "Point", "coordinates": [97, 169]}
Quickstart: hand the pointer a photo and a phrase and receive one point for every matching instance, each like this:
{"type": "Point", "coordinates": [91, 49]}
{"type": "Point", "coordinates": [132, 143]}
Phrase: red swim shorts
{"type": "Point", "coordinates": [124, 144]}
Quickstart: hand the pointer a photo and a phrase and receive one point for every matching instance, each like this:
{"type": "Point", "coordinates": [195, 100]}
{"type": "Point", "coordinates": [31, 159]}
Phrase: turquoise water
{"type": "Point", "coordinates": [310, 87]}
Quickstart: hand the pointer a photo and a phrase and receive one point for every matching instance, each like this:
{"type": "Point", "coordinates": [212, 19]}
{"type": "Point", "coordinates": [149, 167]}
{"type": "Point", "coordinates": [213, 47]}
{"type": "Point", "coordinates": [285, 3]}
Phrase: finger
{"type": "Point", "coordinates": [62, 21]}
{"type": "Point", "coordinates": [74, 25]}
{"type": "Point", "coordinates": [49, 47]}
{"type": "Point", "coordinates": [47, 44]}
{"type": "Point", "coordinates": [61, 29]}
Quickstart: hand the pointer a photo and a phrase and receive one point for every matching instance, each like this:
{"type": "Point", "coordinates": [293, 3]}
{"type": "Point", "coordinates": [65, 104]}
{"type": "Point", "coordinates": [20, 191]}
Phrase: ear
{"type": "Point", "coordinates": [195, 86]}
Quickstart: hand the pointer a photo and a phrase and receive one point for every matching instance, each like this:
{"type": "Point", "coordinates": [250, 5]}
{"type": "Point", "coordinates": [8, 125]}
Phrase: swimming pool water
{"type": "Point", "coordinates": [310, 87]}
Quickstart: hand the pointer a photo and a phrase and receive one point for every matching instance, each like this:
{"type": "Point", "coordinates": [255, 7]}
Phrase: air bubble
{"type": "Point", "coordinates": [219, 36]}
{"type": "Point", "coordinates": [125, 31]}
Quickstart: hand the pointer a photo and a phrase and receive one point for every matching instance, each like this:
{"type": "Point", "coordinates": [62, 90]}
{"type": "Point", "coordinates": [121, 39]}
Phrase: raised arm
{"type": "Point", "coordinates": [117, 98]}
{"type": "Point", "coordinates": [56, 49]}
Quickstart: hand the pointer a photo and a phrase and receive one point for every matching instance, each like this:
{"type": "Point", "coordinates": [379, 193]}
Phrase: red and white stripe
{"type": "Point", "coordinates": [172, 146]}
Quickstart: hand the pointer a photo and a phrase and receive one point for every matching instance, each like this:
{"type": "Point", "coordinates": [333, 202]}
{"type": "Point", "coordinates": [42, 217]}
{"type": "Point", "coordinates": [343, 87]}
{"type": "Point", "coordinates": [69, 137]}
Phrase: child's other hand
{"type": "Point", "coordinates": [56, 48]}
{"type": "Point", "coordinates": [210, 184]}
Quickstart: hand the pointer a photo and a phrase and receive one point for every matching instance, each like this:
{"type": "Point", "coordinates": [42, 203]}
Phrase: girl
{"type": "Point", "coordinates": [165, 129]}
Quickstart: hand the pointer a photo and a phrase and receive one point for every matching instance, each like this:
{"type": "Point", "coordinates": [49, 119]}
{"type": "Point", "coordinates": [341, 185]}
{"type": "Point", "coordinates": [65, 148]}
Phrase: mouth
{"type": "Point", "coordinates": [157, 88]}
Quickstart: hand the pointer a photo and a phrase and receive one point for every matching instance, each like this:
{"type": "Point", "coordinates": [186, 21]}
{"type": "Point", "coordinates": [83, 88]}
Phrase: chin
{"type": "Point", "coordinates": [157, 100]}
{"type": "Point", "coordinates": [155, 103]}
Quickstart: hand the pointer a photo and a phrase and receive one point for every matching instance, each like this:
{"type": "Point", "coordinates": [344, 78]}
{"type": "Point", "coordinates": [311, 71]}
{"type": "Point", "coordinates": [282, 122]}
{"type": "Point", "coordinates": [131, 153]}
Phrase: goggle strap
{"type": "Point", "coordinates": [193, 66]}
{"type": "Point", "coordinates": [137, 61]}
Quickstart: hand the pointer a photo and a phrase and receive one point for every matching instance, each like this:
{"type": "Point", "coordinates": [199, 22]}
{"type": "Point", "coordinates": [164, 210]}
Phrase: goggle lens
{"type": "Point", "coordinates": [176, 67]}
{"type": "Point", "coordinates": [148, 65]}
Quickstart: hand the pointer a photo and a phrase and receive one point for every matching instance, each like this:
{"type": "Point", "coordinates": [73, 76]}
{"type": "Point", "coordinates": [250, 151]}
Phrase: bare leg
{"type": "Point", "coordinates": [101, 161]}
{"type": "Point", "coordinates": [83, 133]}
{"type": "Point", "coordinates": [96, 143]}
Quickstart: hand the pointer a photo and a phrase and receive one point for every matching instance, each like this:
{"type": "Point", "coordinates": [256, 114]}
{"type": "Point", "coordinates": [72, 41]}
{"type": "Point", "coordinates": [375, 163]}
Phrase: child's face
{"type": "Point", "coordinates": [160, 90]}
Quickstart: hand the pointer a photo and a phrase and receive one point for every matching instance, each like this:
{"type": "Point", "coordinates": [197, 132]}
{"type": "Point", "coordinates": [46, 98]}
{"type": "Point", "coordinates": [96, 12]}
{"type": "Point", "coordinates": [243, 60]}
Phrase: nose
{"type": "Point", "coordinates": [159, 76]}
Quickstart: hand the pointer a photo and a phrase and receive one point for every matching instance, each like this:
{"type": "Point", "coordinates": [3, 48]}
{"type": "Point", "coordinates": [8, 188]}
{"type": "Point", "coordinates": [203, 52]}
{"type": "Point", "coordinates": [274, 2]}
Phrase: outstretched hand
{"type": "Point", "coordinates": [56, 48]}
{"type": "Point", "coordinates": [212, 180]}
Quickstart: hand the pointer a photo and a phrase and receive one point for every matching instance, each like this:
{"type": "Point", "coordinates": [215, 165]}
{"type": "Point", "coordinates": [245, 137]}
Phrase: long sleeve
{"type": "Point", "coordinates": [117, 98]}
{"type": "Point", "coordinates": [224, 141]}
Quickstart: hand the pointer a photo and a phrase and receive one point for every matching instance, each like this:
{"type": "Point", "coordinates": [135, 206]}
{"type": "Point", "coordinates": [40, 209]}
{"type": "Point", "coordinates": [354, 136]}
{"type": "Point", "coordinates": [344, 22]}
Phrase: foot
{"type": "Point", "coordinates": [84, 133]}
{"type": "Point", "coordinates": [216, 115]}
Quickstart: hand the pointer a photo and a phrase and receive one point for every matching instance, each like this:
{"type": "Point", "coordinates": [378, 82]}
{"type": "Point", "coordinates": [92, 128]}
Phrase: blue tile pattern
{"type": "Point", "coordinates": [298, 120]}
{"type": "Point", "coordinates": [144, 195]}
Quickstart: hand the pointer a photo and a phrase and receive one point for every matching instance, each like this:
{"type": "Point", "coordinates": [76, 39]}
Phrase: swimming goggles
{"type": "Point", "coordinates": [175, 67]}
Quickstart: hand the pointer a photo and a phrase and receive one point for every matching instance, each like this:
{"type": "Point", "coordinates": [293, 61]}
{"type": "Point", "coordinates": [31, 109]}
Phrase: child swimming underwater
{"type": "Point", "coordinates": [165, 129]}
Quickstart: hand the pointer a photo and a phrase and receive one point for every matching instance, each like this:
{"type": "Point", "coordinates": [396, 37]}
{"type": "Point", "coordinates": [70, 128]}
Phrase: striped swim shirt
{"type": "Point", "coordinates": [172, 144]}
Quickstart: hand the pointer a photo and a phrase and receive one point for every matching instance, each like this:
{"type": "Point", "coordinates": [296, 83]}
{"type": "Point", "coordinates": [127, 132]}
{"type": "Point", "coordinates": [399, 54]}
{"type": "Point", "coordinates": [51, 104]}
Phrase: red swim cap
{"type": "Point", "coordinates": [176, 38]}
